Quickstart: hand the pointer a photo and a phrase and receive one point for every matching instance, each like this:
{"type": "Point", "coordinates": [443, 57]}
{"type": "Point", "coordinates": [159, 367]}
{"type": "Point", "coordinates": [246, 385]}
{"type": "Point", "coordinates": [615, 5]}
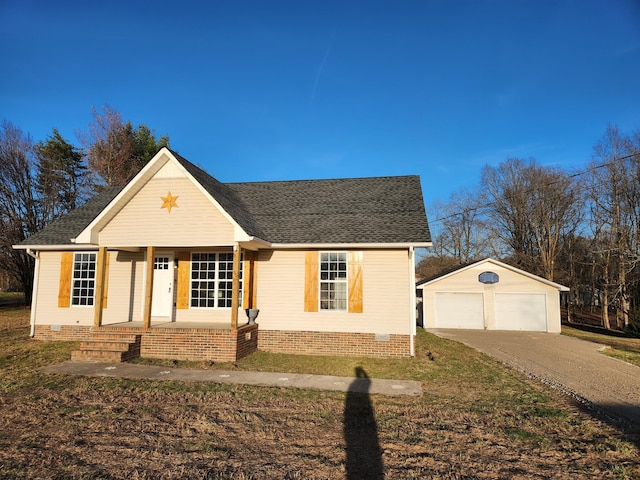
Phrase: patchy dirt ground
{"type": "Point", "coordinates": [55, 427]}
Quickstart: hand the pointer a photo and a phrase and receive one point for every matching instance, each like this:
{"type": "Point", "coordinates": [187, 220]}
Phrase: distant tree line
{"type": "Point", "coordinates": [41, 181]}
{"type": "Point", "coordinates": [577, 228]}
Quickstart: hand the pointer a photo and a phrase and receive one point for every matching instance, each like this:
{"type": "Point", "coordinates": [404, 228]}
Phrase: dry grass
{"type": "Point", "coordinates": [476, 420]}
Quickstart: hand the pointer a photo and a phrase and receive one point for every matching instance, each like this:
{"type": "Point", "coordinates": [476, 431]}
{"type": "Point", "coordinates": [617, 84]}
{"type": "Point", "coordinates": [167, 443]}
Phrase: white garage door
{"type": "Point", "coordinates": [459, 310]}
{"type": "Point", "coordinates": [516, 311]}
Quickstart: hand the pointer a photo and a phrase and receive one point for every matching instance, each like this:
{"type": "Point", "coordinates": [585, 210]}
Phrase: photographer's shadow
{"type": "Point", "coordinates": [364, 456]}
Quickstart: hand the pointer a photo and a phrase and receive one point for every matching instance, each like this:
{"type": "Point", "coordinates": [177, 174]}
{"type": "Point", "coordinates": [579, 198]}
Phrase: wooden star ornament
{"type": "Point", "coordinates": [169, 202]}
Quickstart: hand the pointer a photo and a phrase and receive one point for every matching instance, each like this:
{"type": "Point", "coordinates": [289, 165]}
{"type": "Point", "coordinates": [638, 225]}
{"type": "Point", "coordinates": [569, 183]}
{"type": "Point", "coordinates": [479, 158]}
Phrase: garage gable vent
{"type": "Point", "coordinates": [488, 277]}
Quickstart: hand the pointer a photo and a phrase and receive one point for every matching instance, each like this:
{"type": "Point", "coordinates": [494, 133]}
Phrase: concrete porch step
{"type": "Point", "coordinates": [108, 347]}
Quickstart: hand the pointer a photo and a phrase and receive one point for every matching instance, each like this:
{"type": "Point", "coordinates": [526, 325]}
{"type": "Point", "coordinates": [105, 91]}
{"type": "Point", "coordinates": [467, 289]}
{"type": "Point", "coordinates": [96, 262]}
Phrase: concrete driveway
{"type": "Point", "coordinates": [574, 366]}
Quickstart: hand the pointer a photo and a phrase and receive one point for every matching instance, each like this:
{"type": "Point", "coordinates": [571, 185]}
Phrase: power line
{"type": "Point", "coordinates": [573, 175]}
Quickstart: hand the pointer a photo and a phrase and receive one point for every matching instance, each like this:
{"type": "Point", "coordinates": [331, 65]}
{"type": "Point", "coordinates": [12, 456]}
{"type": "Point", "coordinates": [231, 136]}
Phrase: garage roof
{"type": "Point", "coordinates": [488, 262]}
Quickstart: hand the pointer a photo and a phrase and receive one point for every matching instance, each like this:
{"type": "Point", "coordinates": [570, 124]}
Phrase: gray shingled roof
{"type": "Point", "coordinates": [225, 196]}
{"type": "Point", "coordinates": [355, 210]}
{"type": "Point", "coordinates": [64, 229]}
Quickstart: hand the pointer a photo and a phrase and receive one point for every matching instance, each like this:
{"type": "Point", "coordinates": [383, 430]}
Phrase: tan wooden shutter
{"type": "Point", "coordinates": [105, 285]}
{"type": "Point", "coordinates": [184, 268]}
{"type": "Point", "coordinates": [311, 282]}
{"type": "Point", "coordinates": [355, 282]}
{"type": "Point", "coordinates": [249, 279]}
{"type": "Point", "coordinates": [64, 288]}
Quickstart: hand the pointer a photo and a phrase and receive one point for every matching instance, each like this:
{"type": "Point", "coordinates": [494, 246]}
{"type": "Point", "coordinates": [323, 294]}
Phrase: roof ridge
{"type": "Point", "coordinates": [308, 180]}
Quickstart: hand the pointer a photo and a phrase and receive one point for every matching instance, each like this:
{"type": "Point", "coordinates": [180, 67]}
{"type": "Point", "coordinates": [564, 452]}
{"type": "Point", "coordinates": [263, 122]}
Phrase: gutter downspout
{"type": "Point", "coordinates": [412, 300]}
{"type": "Point", "coordinates": [34, 292]}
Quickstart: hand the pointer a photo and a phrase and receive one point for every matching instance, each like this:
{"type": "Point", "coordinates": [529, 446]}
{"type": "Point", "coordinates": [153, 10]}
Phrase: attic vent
{"type": "Point", "coordinates": [488, 277]}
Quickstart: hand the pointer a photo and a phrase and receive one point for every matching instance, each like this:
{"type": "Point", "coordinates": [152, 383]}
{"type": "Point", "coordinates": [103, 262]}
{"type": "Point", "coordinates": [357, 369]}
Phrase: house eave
{"type": "Point", "coordinates": [349, 246]}
{"type": "Point", "coordinates": [561, 288]}
{"type": "Point", "coordinates": [254, 243]}
{"type": "Point", "coordinates": [69, 246]}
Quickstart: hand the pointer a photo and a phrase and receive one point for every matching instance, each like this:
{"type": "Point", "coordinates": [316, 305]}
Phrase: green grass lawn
{"type": "Point", "coordinates": [475, 419]}
{"type": "Point", "coordinates": [623, 348]}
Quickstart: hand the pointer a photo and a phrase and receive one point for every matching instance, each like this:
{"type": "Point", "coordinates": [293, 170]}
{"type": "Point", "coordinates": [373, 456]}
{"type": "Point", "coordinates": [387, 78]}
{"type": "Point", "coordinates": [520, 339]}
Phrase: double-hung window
{"type": "Point", "coordinates": [333, 281]}
{"type": "Point", "coordinates": [212, 280]}
{"type": "Point", "coordinates": [83, 279]}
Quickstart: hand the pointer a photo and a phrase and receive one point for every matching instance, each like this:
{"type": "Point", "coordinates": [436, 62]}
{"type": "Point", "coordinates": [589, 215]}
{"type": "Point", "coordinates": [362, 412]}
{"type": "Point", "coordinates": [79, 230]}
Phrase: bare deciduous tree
{"type": "Point", "coordinates": [115, 150]}
{"type": "Point", "coordinates": [462, 233]}
{"type": "Point", "coordinates": [20, 213]}
{"type": "Point", "coordinates": [614, 199]}
{"type": "Point", "coordinates": [532, 207]}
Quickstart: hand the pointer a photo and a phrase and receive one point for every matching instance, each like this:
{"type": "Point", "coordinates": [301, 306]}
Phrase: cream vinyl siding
{"type": "Point", "coordinates": [510, 282]}
{"type": "Point", "coordinates": [386, 295]}
{"type": "Point", "coordinates": [142, 221]}
{"type": "Point", "coordinates": [125, 293]}
{"type": "Point", "coordinates": [47, 309]}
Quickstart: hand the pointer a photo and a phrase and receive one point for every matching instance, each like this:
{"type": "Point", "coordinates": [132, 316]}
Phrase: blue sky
{"type": "Point", "coordinates": [277, 90]}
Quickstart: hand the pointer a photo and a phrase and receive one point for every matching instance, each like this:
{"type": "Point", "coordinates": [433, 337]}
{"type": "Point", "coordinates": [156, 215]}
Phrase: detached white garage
{"type": "Point", "coordinates": [491, 295]}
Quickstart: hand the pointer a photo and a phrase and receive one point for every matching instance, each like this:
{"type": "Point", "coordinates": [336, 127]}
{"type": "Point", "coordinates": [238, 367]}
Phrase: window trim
{"type": "Point", "coordinates": [217, 280]}
{"type": "Point", "coordinates": [91, 298]}
{"type": "Point", "coordinates": [344, 281]}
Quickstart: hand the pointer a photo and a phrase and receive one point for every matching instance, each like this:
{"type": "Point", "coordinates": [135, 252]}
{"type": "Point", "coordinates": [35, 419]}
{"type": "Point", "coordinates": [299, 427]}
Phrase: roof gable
{"type": "Point", "coordinates": [212, 189]}
{"type": "Point", "coordinates": [489, 262]}
{"type": "Point", "coordinates": [376, 211]}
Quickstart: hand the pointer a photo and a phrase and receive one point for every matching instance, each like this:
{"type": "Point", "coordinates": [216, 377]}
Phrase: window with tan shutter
{"type": "Point", "coordinates": [333, 281]}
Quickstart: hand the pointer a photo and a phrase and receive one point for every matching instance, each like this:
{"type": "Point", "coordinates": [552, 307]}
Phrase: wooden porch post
{"type": "Point", "coordinates": [250, 277]}
{"type": "Point", "coordinates": [148, 289]}
{"type": "Point", "coordinates": [235, 287]}
{"type": "Point", "coordinates": [99, 290]}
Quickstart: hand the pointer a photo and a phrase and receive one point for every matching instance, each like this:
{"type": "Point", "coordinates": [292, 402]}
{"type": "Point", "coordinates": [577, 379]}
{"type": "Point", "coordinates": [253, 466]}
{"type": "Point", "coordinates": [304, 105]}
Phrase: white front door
{"type": "Point", "coordinates": [162, 299]}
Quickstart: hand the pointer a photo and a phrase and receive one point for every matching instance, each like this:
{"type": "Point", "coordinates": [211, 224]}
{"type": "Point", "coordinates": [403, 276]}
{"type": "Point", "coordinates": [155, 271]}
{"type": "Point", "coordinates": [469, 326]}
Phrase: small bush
{"type": "Point", "coordinates": [633, 329]}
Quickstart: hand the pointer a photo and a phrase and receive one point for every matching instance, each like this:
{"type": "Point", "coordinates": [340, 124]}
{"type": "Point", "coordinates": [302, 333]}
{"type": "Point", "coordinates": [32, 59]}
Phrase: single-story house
{"type": "Point", "coordinates": [491, 295]}
{"type": "Point", "coordinates": [167, 266]}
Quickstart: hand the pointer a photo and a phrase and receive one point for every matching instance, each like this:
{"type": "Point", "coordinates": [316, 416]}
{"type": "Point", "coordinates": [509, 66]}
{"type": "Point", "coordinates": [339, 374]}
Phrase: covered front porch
{"type": "Point", "coordinates": [198, 284]}
{"type": "Point", "coordinates": [194, 306]}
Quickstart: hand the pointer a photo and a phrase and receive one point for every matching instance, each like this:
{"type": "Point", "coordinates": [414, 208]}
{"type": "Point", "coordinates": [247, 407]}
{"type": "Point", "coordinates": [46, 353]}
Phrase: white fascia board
{"type": "Point", "coordinates": [239, 233]}
{"type": "Point", "coordinates": [88, 235]}
{"type": "Point", "coordinates": [254, 242]}
{"type": "Point", "coordinates": [348, 246]}
{"type": "Point", "coordinates": [561, 288]}
{"type": "Point", "coordinates": [240, 236]}
{"type": "Point", "coordinates": [40, 248]}
{"type": "Point", "coordinates": [527, 274]}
